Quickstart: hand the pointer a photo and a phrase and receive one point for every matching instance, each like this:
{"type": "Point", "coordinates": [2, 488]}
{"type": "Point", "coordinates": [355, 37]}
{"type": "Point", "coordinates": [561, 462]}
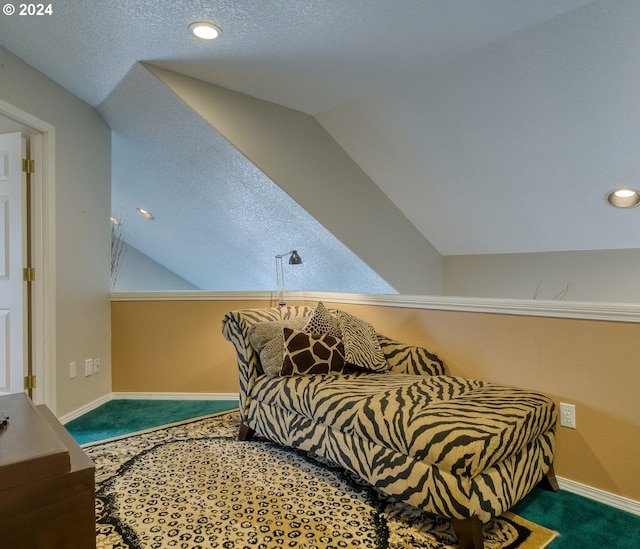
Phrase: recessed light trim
{"type": "Point", "coordinates": [115, 222]}
{"type": "Point", "coordinates": [623, 197]}
{"type": "Point", "coordinates": [146, 214]}
{"type": "Point", "coordinates": [205, 30]}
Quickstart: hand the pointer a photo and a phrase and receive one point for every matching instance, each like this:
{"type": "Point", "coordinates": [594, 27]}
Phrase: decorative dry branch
{"type": "Point", "coordinates": [558, 297]}
{"type": "Point", "coordinates": [118, 249]}
{"type": "Point", "coordinates": [538, 289]}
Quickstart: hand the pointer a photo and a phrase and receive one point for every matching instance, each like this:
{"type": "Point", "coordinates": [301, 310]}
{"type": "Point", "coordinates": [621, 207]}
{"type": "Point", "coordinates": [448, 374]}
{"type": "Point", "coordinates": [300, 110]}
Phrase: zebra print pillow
{"type": "Point", "coordinates": [311, 353]}
{"type": "Point", "coordinates": [361, 346]}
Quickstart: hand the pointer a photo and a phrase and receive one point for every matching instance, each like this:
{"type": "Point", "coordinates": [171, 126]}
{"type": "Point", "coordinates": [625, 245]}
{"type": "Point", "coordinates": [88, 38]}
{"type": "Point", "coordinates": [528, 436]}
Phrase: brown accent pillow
{"type": "Point", "coordinates": [306, 354]}
{"type": "Point", "coordinates": [266, 339]}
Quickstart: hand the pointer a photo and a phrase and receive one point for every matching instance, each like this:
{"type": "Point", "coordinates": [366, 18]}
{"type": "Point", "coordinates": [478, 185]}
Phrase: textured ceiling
{"type": "Point", "coordinates": [309, 55]}
{"type": "Point", "coordinates": [220, 225]}
{"type": "Point", "coordinates": [496, 126]}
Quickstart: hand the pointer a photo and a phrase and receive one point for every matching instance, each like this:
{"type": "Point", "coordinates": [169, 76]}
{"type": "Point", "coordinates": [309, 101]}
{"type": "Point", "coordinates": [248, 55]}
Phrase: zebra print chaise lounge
{"type": "Point", "coordinates": [325, 382]}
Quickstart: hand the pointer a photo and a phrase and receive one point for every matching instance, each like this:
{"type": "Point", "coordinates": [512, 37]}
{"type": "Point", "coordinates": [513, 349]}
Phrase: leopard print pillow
{"type": "Point", "coordinates": [322, 322]}
{"type": "Point", "coordinates": [311, 353]}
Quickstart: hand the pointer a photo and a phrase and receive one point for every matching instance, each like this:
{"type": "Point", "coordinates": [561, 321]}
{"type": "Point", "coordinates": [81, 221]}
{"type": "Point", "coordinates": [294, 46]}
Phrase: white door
{"type": "Point", "coordinates": [12, 255]}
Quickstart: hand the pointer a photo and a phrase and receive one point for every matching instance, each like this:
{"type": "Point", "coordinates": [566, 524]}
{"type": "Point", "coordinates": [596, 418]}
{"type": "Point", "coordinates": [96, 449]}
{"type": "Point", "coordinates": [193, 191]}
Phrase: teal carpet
{"type": "Point", "coordinates": [581, 522]}
{"type": "Point", "coordinates": [119, 417]}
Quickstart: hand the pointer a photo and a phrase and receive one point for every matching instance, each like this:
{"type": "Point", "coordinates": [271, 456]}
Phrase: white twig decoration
{"type": "Point", "coordinates": [558, 297]}
{"type": "Point", "coordinates": [118, 249]}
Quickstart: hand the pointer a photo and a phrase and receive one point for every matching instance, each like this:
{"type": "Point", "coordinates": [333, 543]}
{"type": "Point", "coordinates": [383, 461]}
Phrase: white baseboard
{"type": "Point", "coordinates": [144, 396]}
{"type": "Point", "coordinates": [174, 396]}
{"type": "Point", "coordinates": [612, 500]}
{"type": "Point", "coordinates": [84, 409]}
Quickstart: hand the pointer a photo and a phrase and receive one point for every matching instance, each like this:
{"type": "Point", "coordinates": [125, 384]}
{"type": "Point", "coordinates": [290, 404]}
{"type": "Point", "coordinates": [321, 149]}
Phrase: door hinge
{"type": "Point", "coordinates": [28, 165]}
{"type": "Point", "coordinates": [29, 274]}
{"type": "Point", "coordinates": [30, 381]}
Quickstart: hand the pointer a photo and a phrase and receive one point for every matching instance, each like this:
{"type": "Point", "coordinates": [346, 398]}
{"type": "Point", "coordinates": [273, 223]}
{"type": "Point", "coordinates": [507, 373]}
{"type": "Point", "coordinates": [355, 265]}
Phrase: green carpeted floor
{"type": "Point", "coordinates": [582, 523]}
{"type": "Point", "coordinates": [119, 417]}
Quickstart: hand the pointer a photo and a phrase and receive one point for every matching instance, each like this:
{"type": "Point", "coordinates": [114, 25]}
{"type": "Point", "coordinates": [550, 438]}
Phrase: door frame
{"type": "Point", "coordinates": [42, 149]}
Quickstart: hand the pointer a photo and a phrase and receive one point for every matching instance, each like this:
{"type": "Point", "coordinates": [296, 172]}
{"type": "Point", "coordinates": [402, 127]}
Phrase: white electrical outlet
{"type": "Point", "coordinates": [568, 415]}
{"type": "Point", "coordinates": [96, 365]}
{"type": "Point", "coordinates": [88, 367]}
{"type": "Point", "coordinates": [73, 371]}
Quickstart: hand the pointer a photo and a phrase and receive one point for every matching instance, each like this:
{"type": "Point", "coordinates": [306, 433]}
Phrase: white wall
{"type": "Point", "coordinates": [139, 273]}
{"type": "Point", "coordinates": [601, 275]}
{"type": "Point", "coordinates": [82, 210]}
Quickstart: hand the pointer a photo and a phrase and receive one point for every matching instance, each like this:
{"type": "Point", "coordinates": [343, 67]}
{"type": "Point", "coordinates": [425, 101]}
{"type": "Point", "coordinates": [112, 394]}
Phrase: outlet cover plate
{"type": "Point", "coordinates": [88, 367]}
{"type": "Point", "coordinates": [568, 415]}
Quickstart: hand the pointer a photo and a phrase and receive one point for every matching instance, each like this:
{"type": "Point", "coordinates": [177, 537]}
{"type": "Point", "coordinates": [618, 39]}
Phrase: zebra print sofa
{"type": "Point", "coordinates": [462, 448]}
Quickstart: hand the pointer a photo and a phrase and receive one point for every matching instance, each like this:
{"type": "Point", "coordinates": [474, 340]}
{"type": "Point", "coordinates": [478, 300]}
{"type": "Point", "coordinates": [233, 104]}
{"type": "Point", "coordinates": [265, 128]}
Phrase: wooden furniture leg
{"type": "Point", "coordinates": [469, 533]}
{"type": "Point", "coordinates": [549, 482]}
{"type": "Point", "coordinates": [245, 433]}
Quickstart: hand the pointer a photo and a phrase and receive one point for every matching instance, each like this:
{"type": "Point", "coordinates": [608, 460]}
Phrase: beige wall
{"type": "Point", "coordinates": [82, 243]}
{"type": "Point", "coordinates": [177, 346]}
{"type": "Point", "coordinates": [172, 346]}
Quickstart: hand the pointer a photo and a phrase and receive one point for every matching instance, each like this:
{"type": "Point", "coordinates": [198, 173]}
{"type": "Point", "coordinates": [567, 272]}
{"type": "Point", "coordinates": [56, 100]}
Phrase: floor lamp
{"type": "Point", "coordinates": [294, 259]}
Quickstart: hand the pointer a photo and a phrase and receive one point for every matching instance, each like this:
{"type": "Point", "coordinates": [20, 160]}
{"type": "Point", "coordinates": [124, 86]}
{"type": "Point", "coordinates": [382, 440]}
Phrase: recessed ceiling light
{"type": "Point", "coordinates": [145, 214]}
{"type": "Point", "coordinates": [623, 197]}
{"type": "Point", "coordinates": [115, 222]}
{"type": "Point", "coordinates": [205, 30]}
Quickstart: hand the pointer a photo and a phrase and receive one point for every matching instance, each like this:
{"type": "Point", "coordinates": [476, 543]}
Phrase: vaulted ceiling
{"type": "Point", "coordinates": [494, 126]}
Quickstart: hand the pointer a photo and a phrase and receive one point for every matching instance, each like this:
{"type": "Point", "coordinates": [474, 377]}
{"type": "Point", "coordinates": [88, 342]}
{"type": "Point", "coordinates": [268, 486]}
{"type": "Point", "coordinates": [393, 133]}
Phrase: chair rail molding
{"type": "Point", "coordinates": [615, 312]}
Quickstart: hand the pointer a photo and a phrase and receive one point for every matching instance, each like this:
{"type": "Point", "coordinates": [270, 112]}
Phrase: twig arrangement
{"type": "Point", "coordinates": [558, 297]}
{"type": "Point", "coordinates": [118, 248]}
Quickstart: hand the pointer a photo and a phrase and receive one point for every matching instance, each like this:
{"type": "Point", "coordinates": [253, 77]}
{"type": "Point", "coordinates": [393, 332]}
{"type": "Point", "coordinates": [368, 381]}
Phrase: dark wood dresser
{"type": "Point", "coordinates": [47, 483]}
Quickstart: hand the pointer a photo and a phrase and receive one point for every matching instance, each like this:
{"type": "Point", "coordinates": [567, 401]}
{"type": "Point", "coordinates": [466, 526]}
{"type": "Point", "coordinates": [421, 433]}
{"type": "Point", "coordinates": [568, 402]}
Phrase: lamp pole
{"type": "Point", "coordinates": [294, 259]}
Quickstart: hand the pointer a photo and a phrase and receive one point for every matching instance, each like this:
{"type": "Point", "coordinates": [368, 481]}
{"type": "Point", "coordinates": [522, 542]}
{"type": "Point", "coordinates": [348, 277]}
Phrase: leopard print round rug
{"type": "Point", "coordinates": [193, 486]}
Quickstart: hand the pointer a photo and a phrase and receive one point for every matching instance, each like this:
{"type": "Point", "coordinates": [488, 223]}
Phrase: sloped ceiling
{"type": "Point", "coordinates": [495, 126]}
{"type": "Point", "coordinates": [219, 219]}
{"type": "Point", "coordinates": [513, 147]}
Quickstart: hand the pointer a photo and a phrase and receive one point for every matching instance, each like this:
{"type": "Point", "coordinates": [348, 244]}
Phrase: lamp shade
{"type": "Point", "coordinates": [294, 259]}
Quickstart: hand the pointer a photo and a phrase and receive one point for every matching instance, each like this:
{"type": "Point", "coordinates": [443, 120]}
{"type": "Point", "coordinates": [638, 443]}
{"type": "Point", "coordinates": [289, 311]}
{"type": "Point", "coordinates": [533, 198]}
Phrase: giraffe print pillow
{"type": "Point", "coordinates": [311, 353]}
